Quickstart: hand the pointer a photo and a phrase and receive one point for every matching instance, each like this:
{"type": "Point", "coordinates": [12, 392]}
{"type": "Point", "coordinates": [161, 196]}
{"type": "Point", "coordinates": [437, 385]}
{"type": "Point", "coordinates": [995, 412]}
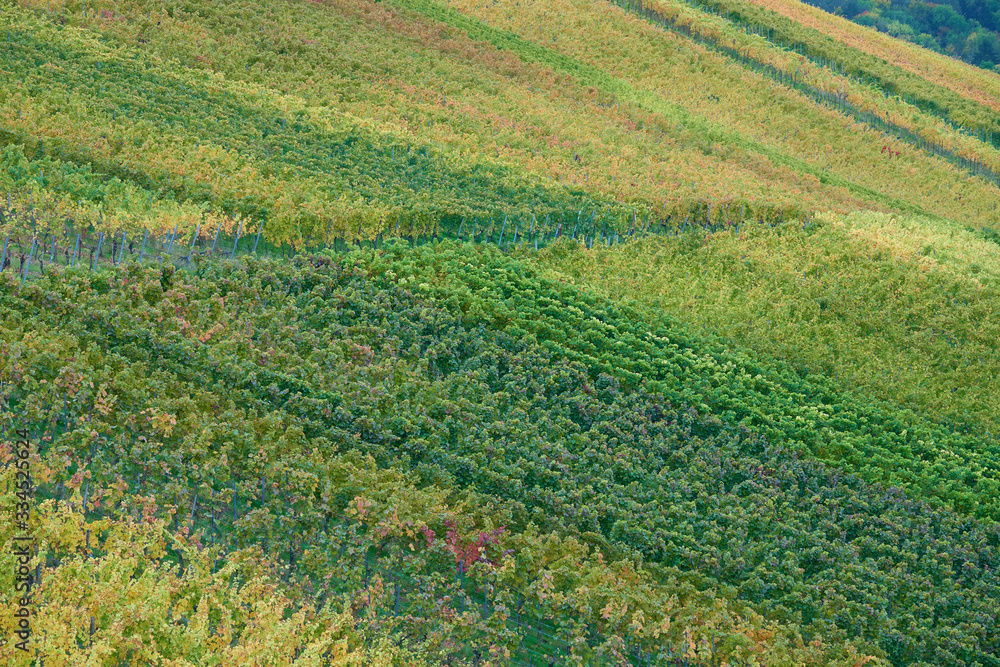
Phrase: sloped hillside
{"type": "Point", "coordinates": [576, 332]}
{"type": "Point", "coordinates": [353, 120]}
{"type": "Point", "coordinates": [247, 401]}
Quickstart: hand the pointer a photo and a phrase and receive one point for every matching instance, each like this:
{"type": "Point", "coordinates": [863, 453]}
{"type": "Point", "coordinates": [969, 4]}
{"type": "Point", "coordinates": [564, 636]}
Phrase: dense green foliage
{"type": "Point", "coordinates": [885, 443]}
{"type": "Point", "coordinates": [966, 30]}
{"type": "Point", "coordinates": [737, 410]}
{"type": "Point", "coordinates": [906, 308]}
{"type": "Point", "coordinates": [464, 367]}
{"type": "Point", "coordinates": [204, 389]}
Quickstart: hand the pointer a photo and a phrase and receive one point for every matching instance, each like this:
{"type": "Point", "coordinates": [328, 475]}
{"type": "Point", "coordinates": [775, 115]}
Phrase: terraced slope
{"type": "Point", "coordinates": [493, 398]}
{"type": "Point", "coordinates": [248, 407]}
{"type": "Point", "coordinates": [424, 116]}
{"type": "Point", "coordinates": [740, 407]}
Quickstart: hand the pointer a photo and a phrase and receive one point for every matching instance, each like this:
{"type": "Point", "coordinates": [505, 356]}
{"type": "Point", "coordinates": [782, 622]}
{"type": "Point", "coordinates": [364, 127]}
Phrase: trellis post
{"type": "Point", "coordinates": [261, 228]}
{"type": "Point", "coordinates": [170, 243]}
{"type": "Point", "coordinates": [121, 251]}
{"type": "Point", "coordinates": [236, 242]}
{"type": "Point", "coordinates": [30, 255]}
{"type": "Point", "coordinates": [194, 239]}
{"type": "Point", "coordinates": [97, 255]}
{"type": "Point", "coordinates": [218, 229]}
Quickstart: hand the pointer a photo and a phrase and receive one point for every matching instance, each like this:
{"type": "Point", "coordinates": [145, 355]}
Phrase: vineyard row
{"type": "Point", "coordinates": [382, 579]}
{"type": "Point", "coordinates": [837, 102]}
